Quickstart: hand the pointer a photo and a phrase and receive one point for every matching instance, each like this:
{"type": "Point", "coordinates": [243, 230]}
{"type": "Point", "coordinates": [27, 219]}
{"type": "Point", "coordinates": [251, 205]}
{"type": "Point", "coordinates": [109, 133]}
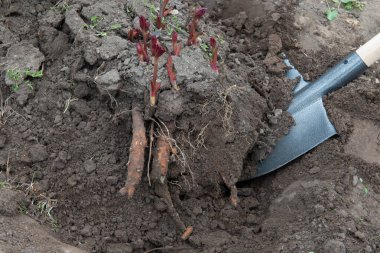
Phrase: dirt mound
{"type": "Point", "coordinates": [66, 133]}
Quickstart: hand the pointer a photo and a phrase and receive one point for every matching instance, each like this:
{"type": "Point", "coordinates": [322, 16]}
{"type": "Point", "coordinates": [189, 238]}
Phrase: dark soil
{"type": "Point", "coordinates": [67, 139]}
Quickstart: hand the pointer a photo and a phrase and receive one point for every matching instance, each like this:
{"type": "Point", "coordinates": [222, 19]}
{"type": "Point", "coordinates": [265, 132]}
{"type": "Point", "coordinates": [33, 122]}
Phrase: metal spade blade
{"type": "Point", "coordinates": [312, 126]}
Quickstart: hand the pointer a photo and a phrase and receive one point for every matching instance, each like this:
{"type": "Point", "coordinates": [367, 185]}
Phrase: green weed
{"type": "Point", "coordinates": [62, 8]}
{"type": "Point", "coordinates": [173, 25]}
{"type": "Point", "coordinates": [55, 225]}
{"type": "Point", "coordinates": [45, 207]}
{"type": "Point", "coordinates": [22, 209]}
{"type": "Point", "coordinates": [34, 74]}
{"type": "Point", "coordinates": [116, 26]}
{"type": "Point", "coordinates": [17, 76]}
{"type": "Point", "coordinates": [3, 184]}
{"type": "Point", "coordinates": [94, 22]}
{"type": "Point", "coordinates": [14, 74]}
{"type": "Point", "coordinates": [332, 12]}
{"type": "Point", "coordinates": [101, 34]}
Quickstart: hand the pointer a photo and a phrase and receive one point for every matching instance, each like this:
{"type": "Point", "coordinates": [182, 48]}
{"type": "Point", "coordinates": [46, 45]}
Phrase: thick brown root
{"type": "Point", "coordinates": [136, 155]}
{"type": "Point", "coordinates": [158, 177]}
{"type": "Point", "coordinates": [161, 160]}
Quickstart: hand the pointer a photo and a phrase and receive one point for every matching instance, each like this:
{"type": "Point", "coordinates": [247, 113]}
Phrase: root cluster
{"type": "Point", "coordinates": [160, 165]}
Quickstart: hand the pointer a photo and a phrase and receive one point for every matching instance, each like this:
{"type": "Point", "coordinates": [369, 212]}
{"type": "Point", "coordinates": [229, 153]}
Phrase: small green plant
{"type": "Point", "coordinates": [3, 184]}
{"type": "Point", "coordinates": [34, 74]}
{"type": "Point", "coordinates": [351, 4]}
{"type": "Point", "coordinates": [365, 189]}
{"type": "Point", "coordinates": [55, 225]}
{"type": "Point", "coordinates": [14, 74]}
{"type": "Point", "coordinates": [62, 8]}
{"type": "Point", "coordinates": [348, 5]}
{"type": "Point", "coordinates": [17, 77]}
{"type": "Point", "coordinates": [116, 26]}
{"type": "Point", "coordinates": [45, 207]}
{"type": "Point", "coordinates": [22, 208]}
{"type": "Point", "coordinates": [173, 25]}
{"type": "Point", "coordinates": [94, 22]}
{"type": "Point", "coordinates": [205, 48]}
{"type": "Point", "coordinates": [152, 11]}
{"type": "Point", "coordinates": [101, 34]}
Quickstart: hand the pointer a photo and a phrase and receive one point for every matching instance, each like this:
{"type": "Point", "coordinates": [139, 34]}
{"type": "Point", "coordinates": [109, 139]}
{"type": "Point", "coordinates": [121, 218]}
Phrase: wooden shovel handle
{"type": "Point", "coordinates": [370, 51]}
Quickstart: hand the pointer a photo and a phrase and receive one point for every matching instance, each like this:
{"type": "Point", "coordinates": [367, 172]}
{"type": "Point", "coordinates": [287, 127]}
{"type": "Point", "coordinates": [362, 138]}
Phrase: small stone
{"type": "Point", "coordinates": [112, 180]}
{"type": "Point", "coordinates": [159, 205]}
{"type": "Point", "coordinates": [351, 226]}
{"type": "Point", "coordinates": [197, 210]}
{"type": "Point", "coordinates": [74, 21]}
{"type": "Point", "coordinates": [276, 16]}
{"type": "Point", "coordinates": [334, 246]}
{"type": "Point", "coordinates": [81, 90]}
{"type": "Point", "coordinates": [58, 164]}
{"type": "Point", "coordinates": [355, 180]}
{"type": "Point", "coordinates": [86, 231]}
{"type": "Point", "coordinates": [352, 170]}
{"type": "Point", "coordinates": [319, 209]}
{"type": "Point", "coordinates": [277, 113]}
{"type": "Point", "coordinates": [339, 189]}
{"type": "Point", "coordinates": [63, 156]}
{"type": "Point", "coordinates": [251, 219]}
{"type": "Point", "coordinates": [314, 170]}
{"type": "Point", "coordinates": [368, 249]}
{"type": "Point", "coordinates": [90, 56]}
{"type": "Point", "coordinates": [72, 180]}
{"type": "Point", "coordinates": [9, 202]}
{"type": "Point", "coordinates": [58, 119]}
{"type": "Point", "coordinates": [3, 140]}
{"type": "Point", "coordinates": [121, 235]}
{"type": "Point", "coordinates": [111, 47]}
{"type": "Point", "coordinates": [38, 153]}
{"type": "Point", "coordinates": [109, 81]}
{"type": "Point", "coordinates": [138, 244]}
{"type": "Point", "coordinates": [245, 192]}
{"type": "Point", "coordinates": [119, 248]}
{"type": "Point", "coordinates": [81, 107]}
{"type": "Point", "coordinates": [89, 166]}
{"type": "Point", "coordinates": [360, 235]}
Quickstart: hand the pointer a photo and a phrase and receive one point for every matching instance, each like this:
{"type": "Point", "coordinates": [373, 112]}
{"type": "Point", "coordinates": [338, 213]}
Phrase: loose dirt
{"type": "Point", "coordinates": [65, 137]}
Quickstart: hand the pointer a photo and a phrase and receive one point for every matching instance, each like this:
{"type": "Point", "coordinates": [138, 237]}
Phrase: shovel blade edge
{"type": "Point", "coordinates": [312, 127]}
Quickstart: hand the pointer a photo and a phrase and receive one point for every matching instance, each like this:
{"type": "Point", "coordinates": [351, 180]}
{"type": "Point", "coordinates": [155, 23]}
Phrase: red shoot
{"type": "Point", "coordinates": [214, 55]}
{"type": "Point", "coordinates": [176, 45]}
{"type": "Point", "coordinates": [199, 13]}
{"type": "Point", "coordinates": [159, 24]}
{"type": "Point", "coordinates": [140, 51]}
{"type": "Point", "coordinates": [193, 34]}
{"type": "Point", "coordinates": [133, 34]}
{"type": "Point", "coordinates": [144, 26]}
{"type": "Point", "coordinates": [163, 11]}
{"type": "Point", "coordinates": [168, 11]}
{"type": "Point", "coordinates": [171, 73]}
{"type": "Point", "coordinates": [160, 20]}
{"type": "Point", "coordinates": [143, 55]}
{"type": "Point", "coordinates": [154, 88]}
{"type": "Point", "coordinates": [157, 51]}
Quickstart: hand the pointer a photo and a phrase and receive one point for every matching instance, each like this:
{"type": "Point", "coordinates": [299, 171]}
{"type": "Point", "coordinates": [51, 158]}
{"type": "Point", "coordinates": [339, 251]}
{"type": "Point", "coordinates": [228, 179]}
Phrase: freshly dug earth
{"type": "Point", "coordinates": [66, 141]}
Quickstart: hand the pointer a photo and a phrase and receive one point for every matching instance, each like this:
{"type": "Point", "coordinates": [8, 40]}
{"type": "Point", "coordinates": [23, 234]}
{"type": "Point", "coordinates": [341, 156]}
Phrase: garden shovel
{"type": "Point", "coordinates": [312, 126]}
